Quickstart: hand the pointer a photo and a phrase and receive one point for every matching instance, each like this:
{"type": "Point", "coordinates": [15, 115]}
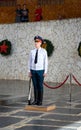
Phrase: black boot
{"type": "Point", "coordinates": [35, 97]}
{"type": "Point", "coordinates": [40, 98]}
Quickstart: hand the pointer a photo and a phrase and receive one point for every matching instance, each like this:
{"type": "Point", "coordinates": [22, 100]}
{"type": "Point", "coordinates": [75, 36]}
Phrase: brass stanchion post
{"type": "Point", "coordinates": [70, 87]}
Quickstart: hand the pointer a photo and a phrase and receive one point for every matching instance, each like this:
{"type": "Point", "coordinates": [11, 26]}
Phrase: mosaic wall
{"type": "Point", "coordinates": [65, 36]}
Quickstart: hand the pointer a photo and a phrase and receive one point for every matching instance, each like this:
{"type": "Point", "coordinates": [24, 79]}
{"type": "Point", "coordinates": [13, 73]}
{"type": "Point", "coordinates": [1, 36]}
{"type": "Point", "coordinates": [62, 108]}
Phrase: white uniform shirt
{"type": "Point", "coordinates": [42, 61]}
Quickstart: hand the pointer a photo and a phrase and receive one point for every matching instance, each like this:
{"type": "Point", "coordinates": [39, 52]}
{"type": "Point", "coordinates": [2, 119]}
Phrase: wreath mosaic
{"type": "Point", "coordinates": [47, 44]}
{"type": "Point", "coordinates": [5, 47]}
{"type": "Point", "coordinates": [79, 49]}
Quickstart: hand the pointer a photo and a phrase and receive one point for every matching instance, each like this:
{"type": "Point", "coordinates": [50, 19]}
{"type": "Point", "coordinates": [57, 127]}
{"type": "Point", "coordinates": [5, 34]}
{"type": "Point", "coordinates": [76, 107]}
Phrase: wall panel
{"type": "Point", "coordinates": [66, 9]}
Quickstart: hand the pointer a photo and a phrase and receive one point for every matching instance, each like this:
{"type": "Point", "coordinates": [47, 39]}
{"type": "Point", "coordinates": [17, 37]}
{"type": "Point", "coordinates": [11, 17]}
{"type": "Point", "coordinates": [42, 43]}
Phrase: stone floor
{"type": "Point", "coordinates": [66, 116]}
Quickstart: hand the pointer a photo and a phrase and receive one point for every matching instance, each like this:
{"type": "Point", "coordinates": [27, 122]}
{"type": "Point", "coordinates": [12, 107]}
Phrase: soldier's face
{"type": "Point", "coordinates": [38, 43]}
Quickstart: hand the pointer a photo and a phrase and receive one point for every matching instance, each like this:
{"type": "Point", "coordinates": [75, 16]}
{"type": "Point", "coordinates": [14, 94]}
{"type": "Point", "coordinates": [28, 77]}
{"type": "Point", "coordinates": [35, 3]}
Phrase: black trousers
{"type": "Point", "coordinates": [37, 79]}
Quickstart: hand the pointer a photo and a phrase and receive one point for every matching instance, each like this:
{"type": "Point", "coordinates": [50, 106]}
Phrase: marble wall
{"type": "Point", "coordinates": [65, 36]}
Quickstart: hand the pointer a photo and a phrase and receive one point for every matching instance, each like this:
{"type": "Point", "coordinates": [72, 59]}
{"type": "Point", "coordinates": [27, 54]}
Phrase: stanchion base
{"type": "Point", "coordinates": [40, 108]}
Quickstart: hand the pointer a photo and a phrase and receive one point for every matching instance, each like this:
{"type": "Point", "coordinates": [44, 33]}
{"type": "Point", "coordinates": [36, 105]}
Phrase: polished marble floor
{"type": "Point", "coordinates": [66, 116]}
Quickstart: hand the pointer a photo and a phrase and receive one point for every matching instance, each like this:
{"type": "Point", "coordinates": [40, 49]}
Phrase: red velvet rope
{"type": "Point", "coordinates": [76, 80]}
{"type": "Point", "coordinates": [56, 86]}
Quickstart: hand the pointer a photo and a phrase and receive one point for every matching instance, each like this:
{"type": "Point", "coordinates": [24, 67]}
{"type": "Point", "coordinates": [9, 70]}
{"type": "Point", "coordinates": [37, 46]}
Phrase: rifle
{"type": "Point", "coordinates": [30, 92]}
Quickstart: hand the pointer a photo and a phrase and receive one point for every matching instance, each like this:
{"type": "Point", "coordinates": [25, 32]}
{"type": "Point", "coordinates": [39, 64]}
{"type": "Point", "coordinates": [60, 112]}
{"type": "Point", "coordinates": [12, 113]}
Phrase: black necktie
{"type": "Point", "coordinates": [36, 56]}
